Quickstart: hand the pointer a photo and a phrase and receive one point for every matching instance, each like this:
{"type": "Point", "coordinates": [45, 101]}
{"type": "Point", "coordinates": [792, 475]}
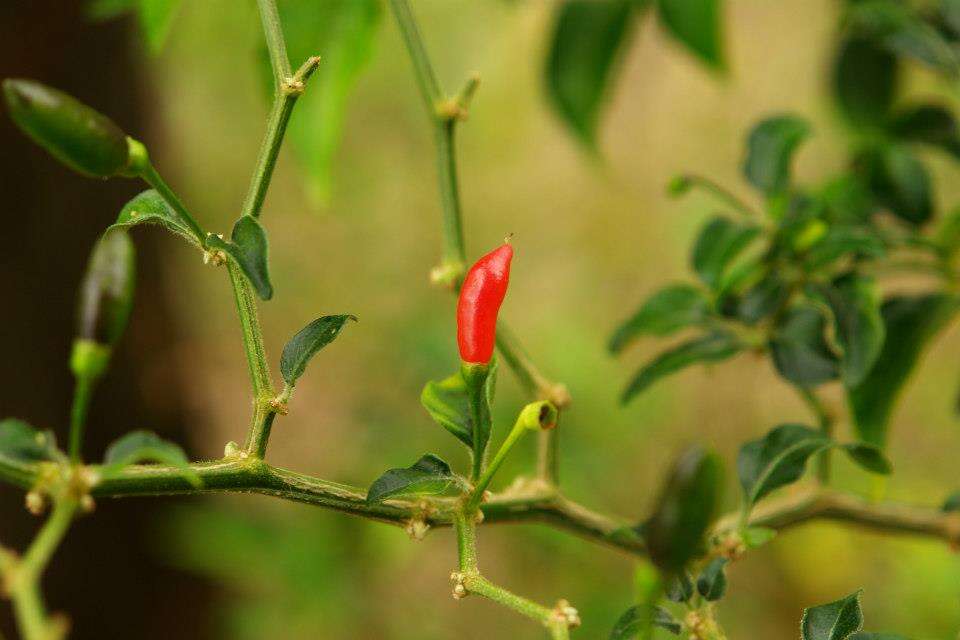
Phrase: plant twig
{"type": "Point", "coordinates": [82, 393]}
{"type": "Point", "coordinates": [273, 32]}
{"type": "Point", "coordinates": [826, 423]}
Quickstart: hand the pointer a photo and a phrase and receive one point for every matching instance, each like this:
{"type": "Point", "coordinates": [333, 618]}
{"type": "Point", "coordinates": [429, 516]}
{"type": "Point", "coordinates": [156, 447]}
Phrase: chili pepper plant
{"type": "Point", "coordinates": [798, 279]}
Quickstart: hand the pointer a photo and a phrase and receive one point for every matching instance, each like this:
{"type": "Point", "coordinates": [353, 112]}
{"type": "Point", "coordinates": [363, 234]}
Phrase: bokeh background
{"type": "Point", "coordinates": [594, 235]}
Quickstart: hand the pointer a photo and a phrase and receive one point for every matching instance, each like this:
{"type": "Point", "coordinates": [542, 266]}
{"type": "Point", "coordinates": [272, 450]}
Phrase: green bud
{"type": "Point", "coordinates": [539, 415]}
{"type": "Point", "coordinates": [679, 185]}
{"type": "Point", "coordinates": [106, 292]}
{"type": "Point", "coordinates": [89, 359]}
{"type": "Point", "coordinates": [688, 503]}
{"type": "Point", "coordinates": [81, 138]}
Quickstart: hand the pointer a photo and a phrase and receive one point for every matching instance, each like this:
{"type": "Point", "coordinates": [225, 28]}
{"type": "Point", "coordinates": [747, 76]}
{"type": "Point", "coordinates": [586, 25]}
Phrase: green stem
{"type": "Point", "coordinates": [427, 81]}
{"type": "Point", "coordinates": [273, 31]}
{"type": "Point", "coordinates": [252, 334]}
{"type": "Point", "coordinates": [722, 193]}
{"type": "Point", "coordinates": [826, 423]}
{"type": "Point", "coordinates": [82, 393]}
{"type": "Point", "coordinates": [151, 177]}
{"type": "Point", "coordinates": [454, 251]}
{"type": "Point", "coordinates": [25, 590]}
{"type": "Point", "coordinates": [476, 496]}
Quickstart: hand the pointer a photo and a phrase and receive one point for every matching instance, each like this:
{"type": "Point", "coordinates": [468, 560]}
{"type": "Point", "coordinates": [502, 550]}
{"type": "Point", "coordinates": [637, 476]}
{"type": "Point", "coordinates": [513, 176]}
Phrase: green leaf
{"type": "Point", "coordinates": [911, 322]}
{"type": "Point", "coordinates": [342, 33]}
{"type": "Point", "coordinates": [950, 14]}
{"type": "Point", "coordinates": [855, 303]}
{"type": "Point", "coordinates": [20, 442]}
{"type": "Point", "coordinates": [479, 380]}
{"type": "Point", "coordinates": [777, 459]}
{"type": "Point", "coordinates": [952, 503]}
{"type": "Point", "coordinates": [770, 149]}
{"type": "Point", "coordinates": [156, 18]}
{"type": "Point", "coordinates": [248, 249]}
{"type": "Point", "coordinates": [668, 310]}
{"type": "Point", "coordinates": [842, 241]}
{"type": "Point", "coordinates": [150, 208]}
{"type": "Point", "coordinates": [930, 124]}
{"type": "Point", "coordinates": [427, 476]}
{"type": "Point", "coordinates": [686, 507]}
{"type": "Point", "coordinates": [681, 588]}
{"type": "Point", "coordinates": [697, 24]}
{"type": "Point", "coordinates": [307, 342]}
{"type": "Point", "coordinates": [719, 242]}
{"type": "Point", "coordinates": [641, 617]}
{"type": "Point", "coordinates": [899, 182]}
{"type": "Point", "coordinates": [105, 296]}
{"type": "Point", "coordinates": [755, 537]}
{"type": "Point", "coordinates": [865, 79]}
{"type": "Point", "coordinates": [799, 349]}
{"type": "Point", "coordinates": [144, 446]}
{"type": "Point", "coordinates": [869, 457]}
{"type": "Point", "coordinates": [899, 28]}
{"type": "Point", "coordinates": [587, 43]}
{"type": "Point", "coordinates": [712, 583]}
{"type": "Point", "coordinates": [833, 621]}
{"type": "Point", "coordinates": [713, 347]}
{"type": "Point", "coordinates": [762, 299]}
{"type": "Point", "coordinates": [448, 403]}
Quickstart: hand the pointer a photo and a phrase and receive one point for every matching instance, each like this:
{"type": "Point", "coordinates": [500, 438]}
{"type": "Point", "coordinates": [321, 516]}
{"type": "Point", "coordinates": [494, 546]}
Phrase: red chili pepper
{"type": "Point", "coordinates": [480, 298]}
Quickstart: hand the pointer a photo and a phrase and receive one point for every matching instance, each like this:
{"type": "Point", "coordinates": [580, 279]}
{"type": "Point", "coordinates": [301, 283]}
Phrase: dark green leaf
{"type": "Point", "coordinates": [842, 241]}
{"type": "Point", "coordinates": [719, 242]}
{"type": "Point", "coordinates": [833, 621]}
{"type": "Point", "coordinates": [865, 79]}
{"type": "Point", "coordinates": [950, 14]}
{"type": "Point", "coordinates": [900, 182]}
{"type": "Point", "coordinates": [22, 443]}
{"type": "Point", "coordinates": [446, 402]}
{"type": "Point", "coordinates": [762, 299]}
{"type": "Point", "coordinates": [149, 208]}
{"type": "Point", "coordinates": [869, 457]}
{"type": "Point", "coordinates": [588, 40]}
{"type": "Point", "coordinates": [709, 348]}
{"type": "Point", "coordinates": [686, 507]}
{"type": "Point", "coordinates": [770, 149]}
{"type": "Point", "coordinates": [156, 18]}
{"type": "Point", "coordinates": [777, 459]}
{"type": "Point", "coordinates": [911, 322]}
{"type": "Point", "coordinates": [712, 583]}
{"type": "Point", "coordinates": [952, 503]}
{"type": "Point", "coordinates": [307, 342]}
{"type": "Point", "coordinates": [106, 291]}
{"type": "Point", "coordinates": [681, 588]}
{"type": "Point", "coordinates": [342, 33]}
{"type": "Point", "coordinates": [929, 124]}
{"type": "Point", "coordinates": [144, 446]}
{"type": "Point", "coordinates": [855, 303]}
{"type": "Point", "coordinates": [800, 351]}
{"type": "Point", "coordinates": [427, 476]}
{"type": "Point", "coordinates": [640, 618]}
{"type": "Point", "coordinates": [248, 249]}
{"type": "Point", "coordinates": [668, 310]}
{"type": "Point", "coordinates": [698, 25]}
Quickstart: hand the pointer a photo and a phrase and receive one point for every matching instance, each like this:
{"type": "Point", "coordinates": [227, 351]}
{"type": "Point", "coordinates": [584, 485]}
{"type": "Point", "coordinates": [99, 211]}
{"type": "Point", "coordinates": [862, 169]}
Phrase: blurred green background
{"type": "Point", "coordinates": [593, 235]}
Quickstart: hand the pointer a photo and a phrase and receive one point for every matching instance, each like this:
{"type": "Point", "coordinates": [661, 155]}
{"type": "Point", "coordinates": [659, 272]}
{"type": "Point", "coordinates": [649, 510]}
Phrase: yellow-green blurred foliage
{"type": "Point", "coordinates": [593, 237]}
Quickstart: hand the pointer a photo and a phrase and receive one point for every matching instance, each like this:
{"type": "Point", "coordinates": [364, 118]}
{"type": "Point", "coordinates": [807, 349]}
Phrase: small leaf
{"type": "Point", "coordinates": [20, 442]}
{"type": "Point", "coordinates": [686, 507]}
{"type": "Point", "coordinates": [307, 342]}
{"type": "Point", "coordinates": [911, 322]}
{"type": "Point", "coordinates": [681, 588]}
{"type": "Point", "coordinates": [343, 34]}
{"type": "Point", "coordinates": [952, 503]}
{"type": "Point", "coordinates": [427, 476]}
{"type": "Point", "coordinates": [639, 618]}
{"type": "Point", "coordinates": [248, 249]}
{"type": "Point", "coordinates": [698, 25]}
{"type": "Point", "coordinates": [855, 303]}
{"type": "Point", "coordinates": [479, 381]}
{"type": "Point", "coordinates": [156, 18]}
{"type": "Point", "coordinates": [588, 39]}
{"type": "Point", "coordinates": [713, 347]}
{"type": "Point", "coordinates": [668, 310]}
{"type": "Point", "coordinates": [865, 80]}
{"type": "Point", "coordinates": [446, 402]}
{"type": "Point", "coordinates": [800, 351]}
{"type": "Point", "coordinates": [719, 242]}
{"type": "Point", "coordinates": [833, 621]}
{"type": "Point", "coordinates": [755, 537]}
{"type": "Point", "coordinates": [770, 149]}
{"type": "Point", "coordinates": [900, 29]}
{"type": "Point", "coordinates": [762, 299]}
{"type": "Point", "coordinates": [712, 583]}
{"type": "Point", "coordinates": [843, 241]}
{"type": "Point", "coordinates": [777, 459]}
{"type": "Point", "coordinates": [869, 457]}
{"type": "Point", "coordinates": [144, 446]}
{"type": "Point", "coordinates": [929, 124]}
{"type": "Point", "coordinates": [150, 208]}
{"type": "Point", "coordinates": [899, 182]}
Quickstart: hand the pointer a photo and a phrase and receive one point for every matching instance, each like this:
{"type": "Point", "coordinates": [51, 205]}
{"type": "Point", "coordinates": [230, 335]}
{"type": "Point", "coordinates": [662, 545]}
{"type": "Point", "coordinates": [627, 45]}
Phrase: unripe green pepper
{"type": "Point", "coordinates": [106, 293]}
{"type": "Point", "coordinates": [80, 137]}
